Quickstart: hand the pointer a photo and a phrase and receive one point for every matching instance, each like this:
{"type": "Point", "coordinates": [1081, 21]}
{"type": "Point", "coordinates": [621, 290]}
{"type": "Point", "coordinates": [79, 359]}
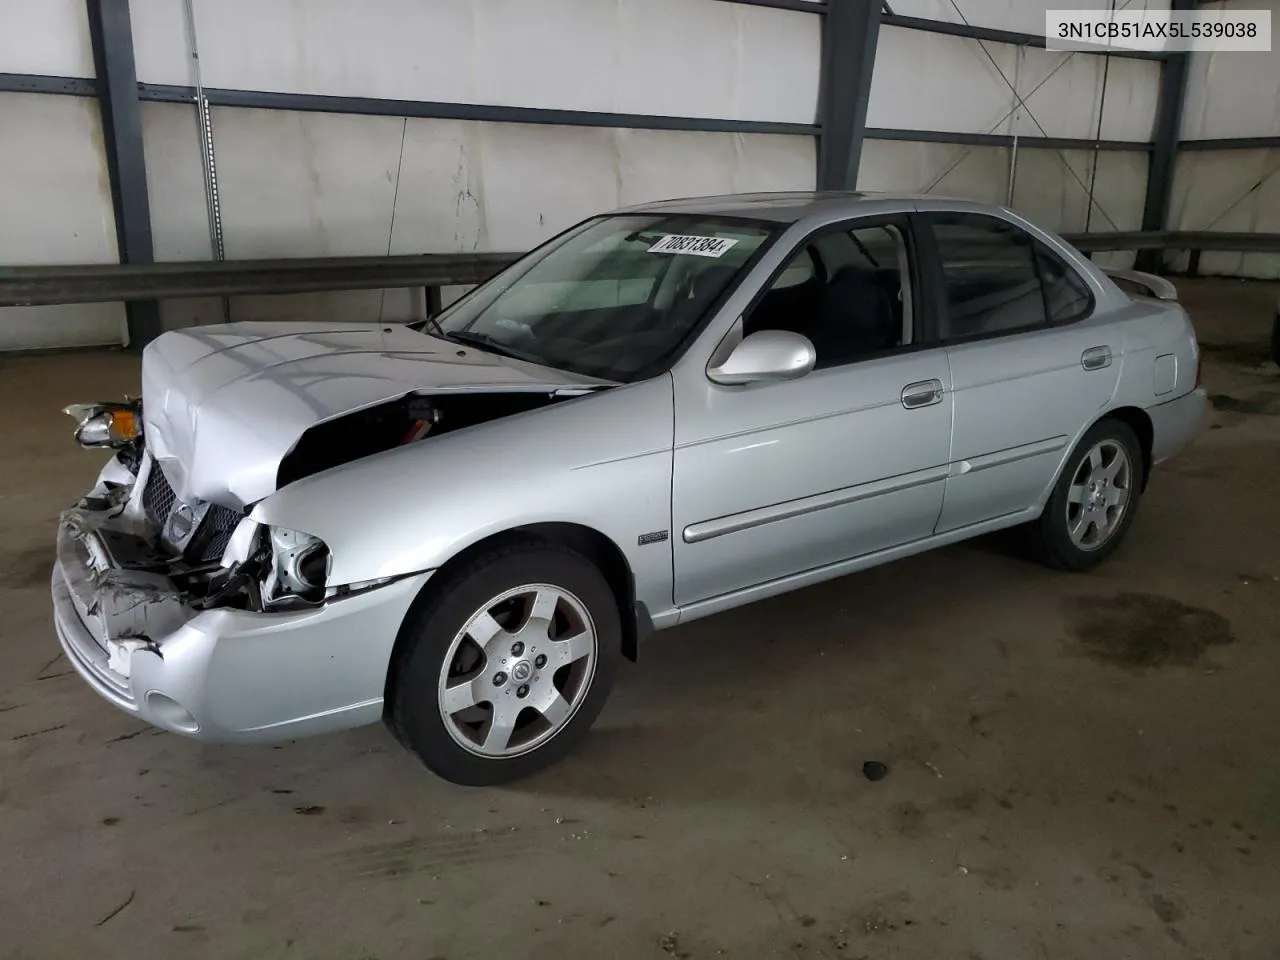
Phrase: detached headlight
{"type": "Point", "coordinates": [299, 567]}
{"type": "Point", "coordinates": [106, 424]}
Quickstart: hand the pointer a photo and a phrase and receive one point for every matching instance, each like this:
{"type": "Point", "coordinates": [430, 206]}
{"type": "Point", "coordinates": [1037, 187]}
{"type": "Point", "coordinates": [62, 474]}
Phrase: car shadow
{"type": "Point", "coordinates": [768, 699]}
{"type": "Point", "coordinates": [767, 702]}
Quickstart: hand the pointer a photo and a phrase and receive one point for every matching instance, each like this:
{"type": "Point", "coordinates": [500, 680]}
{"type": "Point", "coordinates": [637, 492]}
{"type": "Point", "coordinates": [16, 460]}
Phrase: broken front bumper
{"type": "Point", "coordinates": [221, 674]}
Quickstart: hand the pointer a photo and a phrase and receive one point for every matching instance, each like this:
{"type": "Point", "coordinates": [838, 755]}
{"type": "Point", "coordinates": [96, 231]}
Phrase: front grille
{"type": "Point", "coordinates": [158, 497]}
{"type": "Point", "coordinates": [214, 532]}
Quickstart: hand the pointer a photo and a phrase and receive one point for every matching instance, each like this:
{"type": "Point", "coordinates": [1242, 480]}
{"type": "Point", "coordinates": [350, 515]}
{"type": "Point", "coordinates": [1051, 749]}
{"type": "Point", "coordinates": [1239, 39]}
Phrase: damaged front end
{"type": "Point", "coordinates": [143, 557]}
{"type": "Point", "coordinates": [121, 593]}
{"type": "Point", "coordinates": [139, 565]}
{"type": "Point", "coordinates": [174, 603]}
{"type": "Point", "coordinates": [247, 647]}
{"type": "Point", "coordinates": [135, 564]}
{"type": "Point", "coordinates": [134, 567]}
{"type": "Point", "coordinates": [145, 554]}
{"type": "Point", "coordinates": [202, 621]}
{"type": "Point", "coordinates": [141, 562]}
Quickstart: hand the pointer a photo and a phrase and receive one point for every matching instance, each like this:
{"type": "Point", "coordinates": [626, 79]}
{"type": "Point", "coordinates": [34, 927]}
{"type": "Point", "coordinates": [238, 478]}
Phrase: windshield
{"type": "Point", "coordinates": [613, 298]}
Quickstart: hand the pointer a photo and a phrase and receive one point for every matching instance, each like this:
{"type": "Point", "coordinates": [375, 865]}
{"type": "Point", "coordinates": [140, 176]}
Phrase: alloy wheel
{"type": "Point", "coordinates": [517, 671]}
{"type": "Point", "coordinates": [1099, 494]}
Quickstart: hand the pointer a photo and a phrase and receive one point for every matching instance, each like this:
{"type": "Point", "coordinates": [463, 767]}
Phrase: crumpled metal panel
{"type": "Point", "coordinates": [223, 405]}
{"type": "Point", "coordinates": [114, 604]}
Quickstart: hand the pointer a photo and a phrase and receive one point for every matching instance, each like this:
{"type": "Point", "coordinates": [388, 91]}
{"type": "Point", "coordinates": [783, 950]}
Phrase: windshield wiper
{"type": "Point", "coordinates": [491, 344]}
{"type": "Point", "coordinates": [429, 322]}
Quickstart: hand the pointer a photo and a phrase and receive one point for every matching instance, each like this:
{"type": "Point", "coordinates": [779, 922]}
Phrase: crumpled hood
{"type": "Point", "coordinates": [223, 405]}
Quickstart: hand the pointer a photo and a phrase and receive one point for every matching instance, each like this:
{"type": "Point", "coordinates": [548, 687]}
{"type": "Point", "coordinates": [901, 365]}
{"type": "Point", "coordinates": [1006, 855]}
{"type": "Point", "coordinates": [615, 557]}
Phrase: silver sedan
{"type": "Point", "coordinates": [461, 526]}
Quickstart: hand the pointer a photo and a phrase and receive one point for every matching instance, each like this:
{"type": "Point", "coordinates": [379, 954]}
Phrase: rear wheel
{"type": "Point", "coordinates": [1094, 500]}
{"type": "Point", "coordinates": [507, 664]}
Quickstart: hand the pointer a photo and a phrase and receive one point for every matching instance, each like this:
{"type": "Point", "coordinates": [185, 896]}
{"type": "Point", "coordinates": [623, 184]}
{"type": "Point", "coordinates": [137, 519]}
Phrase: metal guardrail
{"type": "Point", "coordinates": [1191, 240]}
{"type": "Point", "coordinates": [1194, 242]}
{"type": "Point", "coordinates": [101, 283]}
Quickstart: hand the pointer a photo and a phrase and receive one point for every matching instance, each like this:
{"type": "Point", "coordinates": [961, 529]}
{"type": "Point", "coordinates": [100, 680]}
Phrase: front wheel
{"type": "Point", "coordinates": [1094, 500]}
{"type": "Point", "coordinates": [506, 664]}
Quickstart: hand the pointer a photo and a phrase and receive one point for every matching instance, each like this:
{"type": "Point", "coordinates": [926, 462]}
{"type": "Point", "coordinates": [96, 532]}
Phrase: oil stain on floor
{"type": "Point", "coordinates": [1265, 403]}
{"type": "Point", "coordinates": [1140, 630]}
{"type": "Point", "coordinates": [1253, 353]}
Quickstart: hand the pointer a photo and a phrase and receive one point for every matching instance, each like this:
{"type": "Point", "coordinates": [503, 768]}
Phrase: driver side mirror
{"type": "Point", "coordinates": [769, 356]}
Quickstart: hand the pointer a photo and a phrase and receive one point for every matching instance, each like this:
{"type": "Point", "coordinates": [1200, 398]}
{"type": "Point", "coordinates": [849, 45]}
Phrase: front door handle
{"type": "Point", "coordinates": [1095, 358]}
{"type": "Point", "coordinates": [925, 393]}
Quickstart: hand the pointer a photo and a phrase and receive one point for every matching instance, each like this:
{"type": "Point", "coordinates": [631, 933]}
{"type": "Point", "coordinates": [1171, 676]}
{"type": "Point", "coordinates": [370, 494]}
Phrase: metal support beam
{"type": "Point", "coordinates": [434, 110]}
{"type": "Point", "coordinates": [39, 83]}
{"type": "Point", "coordinates": [435, 301]}
{"type": "Point", "coordinates": [805, 6]}
{"type": "Point", "coordinates": [849, 36]}
{"type": "Point", "coordinates": [112, 38]}
{"type": "Point", "coordinates": [1232, 143]}
{"type": "Point", "coordinates": [1005, 140]}
{"type": "Point", "coordinates": [970, 31]}
{"type": "Point", "coordinates": [1173, 86]}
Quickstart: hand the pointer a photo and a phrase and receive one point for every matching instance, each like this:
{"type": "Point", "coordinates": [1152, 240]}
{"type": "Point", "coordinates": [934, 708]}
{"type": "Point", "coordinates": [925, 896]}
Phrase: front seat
{"type": "Point", "coordinates": [857, 317]}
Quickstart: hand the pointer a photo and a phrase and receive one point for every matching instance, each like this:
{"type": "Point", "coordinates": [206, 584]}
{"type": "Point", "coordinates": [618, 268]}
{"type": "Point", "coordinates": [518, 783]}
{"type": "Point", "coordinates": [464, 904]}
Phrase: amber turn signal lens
{"type": "Point", "coordinates": [105, 424]}
{"type": "Point", "coordinates": [124, 424]}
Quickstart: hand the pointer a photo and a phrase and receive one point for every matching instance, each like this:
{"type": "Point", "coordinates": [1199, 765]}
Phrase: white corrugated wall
{"type": "Point", "coordinates": [1230, 96]}
{"type": "Point", "coordinates": [55, 198]}
{"type": "Point", "coordinates": [936, 82]}
{"type": "Point", "coordinates": [314, 184]}
{"type": "Point", "coordinates": [322, 184]}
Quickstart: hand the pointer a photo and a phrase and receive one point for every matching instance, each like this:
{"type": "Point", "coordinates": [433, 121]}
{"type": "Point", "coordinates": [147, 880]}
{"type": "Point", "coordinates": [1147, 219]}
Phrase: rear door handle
{"type": "Point", "coordinates": [924, 393]}
{"type": "Point", "coordinates": [1095, 358]}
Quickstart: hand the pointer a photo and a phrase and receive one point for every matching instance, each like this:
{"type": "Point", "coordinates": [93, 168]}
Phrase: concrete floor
{"type": "Point", "coordinates": [1057, 787]}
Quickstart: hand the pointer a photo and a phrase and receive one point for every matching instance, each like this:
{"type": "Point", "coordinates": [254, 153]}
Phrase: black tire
{"type": "Point", "coordinates": [413, 712]}
{"type": "Point", "coordinates": [1050, 538]}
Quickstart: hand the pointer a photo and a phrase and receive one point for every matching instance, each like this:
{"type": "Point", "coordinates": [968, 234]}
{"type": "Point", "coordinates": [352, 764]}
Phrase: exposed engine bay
{"type": "Point", "coordinates": [405, 420]}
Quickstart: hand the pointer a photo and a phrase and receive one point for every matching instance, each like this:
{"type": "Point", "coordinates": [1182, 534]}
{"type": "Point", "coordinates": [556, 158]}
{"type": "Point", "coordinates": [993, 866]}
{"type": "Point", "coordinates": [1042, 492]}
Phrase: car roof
{"type": "Point", "coordinates": [786, 207]}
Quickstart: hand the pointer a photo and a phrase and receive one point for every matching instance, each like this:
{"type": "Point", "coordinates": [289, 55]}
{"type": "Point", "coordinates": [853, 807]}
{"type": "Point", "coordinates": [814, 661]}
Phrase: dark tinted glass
{"type": "Point", "coordinates": [843, 290]}
{"type": "Point", "coordinates": [989, 269]}
{"type": "Point", "coordinates": [1066, 294]}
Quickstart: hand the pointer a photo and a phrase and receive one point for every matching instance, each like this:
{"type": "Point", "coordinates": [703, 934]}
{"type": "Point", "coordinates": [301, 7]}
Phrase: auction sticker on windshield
{"type": "Point", "coordinates": [697, 246]}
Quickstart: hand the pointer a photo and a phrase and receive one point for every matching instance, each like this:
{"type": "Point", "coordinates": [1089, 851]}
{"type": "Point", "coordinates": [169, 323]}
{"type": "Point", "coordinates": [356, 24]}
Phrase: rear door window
{"type": "Point", "coordinates": [1066, 295]}
{"type": "Point", "coordinates": [990, 275]}
{"type": "Point", "coordinates": [998, 279]}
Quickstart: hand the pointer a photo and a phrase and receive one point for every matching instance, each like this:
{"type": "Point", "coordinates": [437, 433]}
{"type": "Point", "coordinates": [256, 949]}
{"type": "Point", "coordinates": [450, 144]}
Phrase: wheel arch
{"type": "Point", "coordinates": [1139, 421]}
{"type": "Point", "coordinates": [1135, 418]}
{"type": "Point", "coordinates": [591, 543]}
{"type": "Point", "coordinates": [601, 550]}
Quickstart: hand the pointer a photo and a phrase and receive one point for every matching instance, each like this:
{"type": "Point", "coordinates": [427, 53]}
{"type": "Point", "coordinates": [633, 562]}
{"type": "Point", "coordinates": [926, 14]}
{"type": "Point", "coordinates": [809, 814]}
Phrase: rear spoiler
{"type": "Point", "coordinates": [1151, 285]}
